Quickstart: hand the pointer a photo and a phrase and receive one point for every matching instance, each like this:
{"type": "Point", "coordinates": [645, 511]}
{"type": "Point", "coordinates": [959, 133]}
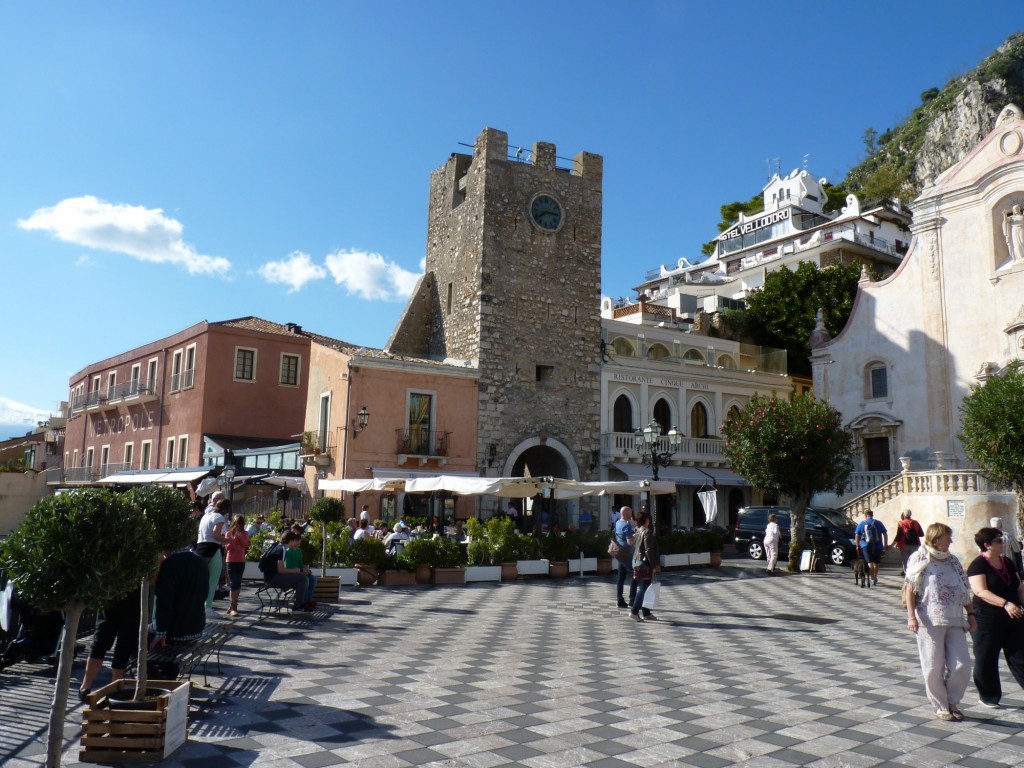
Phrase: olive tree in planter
{"type": "Point", "coordinates": [70, 552]}
{"type": "Point", "coordinates": [170, 513]}
{"type": "Point", "coordinates": [324, 511]}
{"type": "Point", "coordinates": [508, 546]}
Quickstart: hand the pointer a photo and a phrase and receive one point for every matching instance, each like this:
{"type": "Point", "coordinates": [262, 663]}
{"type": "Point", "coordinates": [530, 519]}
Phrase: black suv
{"type": "Point", "coordinates": [830, 531]}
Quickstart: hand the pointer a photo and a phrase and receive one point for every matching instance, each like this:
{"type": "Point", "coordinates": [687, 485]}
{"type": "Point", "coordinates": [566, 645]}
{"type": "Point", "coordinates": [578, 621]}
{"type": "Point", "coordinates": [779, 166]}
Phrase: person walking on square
{"type": "Point", "coordinates": [645, 565]}
{"type": "Point", "coordinates": [998, 597]}
{"type": "Point", "coordinates": [908, 538]}
{"type": "Point", "coordinates": [623, 533]}
{"type": "Point", "coordinates": [772, 537]}
{"type": "Point", "coordinates": [937, 592]}
{"type": "Point", "coordinates": [1011, 547]}
{"type": "Point", "coordinates": [872, 538]}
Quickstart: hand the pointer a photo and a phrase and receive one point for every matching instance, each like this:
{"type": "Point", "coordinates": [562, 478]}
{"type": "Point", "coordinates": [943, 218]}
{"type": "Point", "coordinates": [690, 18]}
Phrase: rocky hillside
{"type": "Point", "coordinates": [947, 125]}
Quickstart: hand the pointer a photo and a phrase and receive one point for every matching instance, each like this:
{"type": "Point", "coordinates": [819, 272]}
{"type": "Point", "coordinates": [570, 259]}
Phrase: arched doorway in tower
{"type": "Point", "coordinates": [543, 461]}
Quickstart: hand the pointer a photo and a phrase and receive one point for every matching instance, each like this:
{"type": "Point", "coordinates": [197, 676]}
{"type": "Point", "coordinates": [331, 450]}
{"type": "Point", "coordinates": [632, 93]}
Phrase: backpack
{"type": "Point", "coordinates": [269, 555]}
{"type": "Point", "coordinates": [869, 532]}
{"type": "Point", "coordinates": [910, 537]}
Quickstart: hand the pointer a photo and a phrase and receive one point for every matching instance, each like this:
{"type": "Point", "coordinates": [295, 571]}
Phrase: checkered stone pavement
{"type": "Point", "coordinates": [741, 669]}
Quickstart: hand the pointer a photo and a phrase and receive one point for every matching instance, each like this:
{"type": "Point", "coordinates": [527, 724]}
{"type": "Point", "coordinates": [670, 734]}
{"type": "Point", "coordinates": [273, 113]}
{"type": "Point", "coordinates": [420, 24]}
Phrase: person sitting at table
{"type": "Point", "coordinates": [459, 534]}
{"type": "Point", "coordinates": [399, 534]}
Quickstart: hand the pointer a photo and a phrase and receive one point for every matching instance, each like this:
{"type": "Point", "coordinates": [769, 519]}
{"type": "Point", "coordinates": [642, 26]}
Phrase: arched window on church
{"type": "Point", "coordinates": [698, 420]}
{"type": "Point", "coordinates": [726, 361]}
{"type": "Point", "coordinates": [663, 415]}
{"type": "Point", "coordinates": [622, 415]}
{"type": "Point", "coordinates": [694, 356]}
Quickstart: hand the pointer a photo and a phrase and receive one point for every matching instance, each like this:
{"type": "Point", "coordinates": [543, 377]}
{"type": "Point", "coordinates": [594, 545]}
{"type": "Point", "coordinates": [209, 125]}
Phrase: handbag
{"type": "Point", "coordinates": [641, 573]}
{"type": "Point", "coordinates": [652, 594]}
{"type": "Point", "coordinates": [614, 549]}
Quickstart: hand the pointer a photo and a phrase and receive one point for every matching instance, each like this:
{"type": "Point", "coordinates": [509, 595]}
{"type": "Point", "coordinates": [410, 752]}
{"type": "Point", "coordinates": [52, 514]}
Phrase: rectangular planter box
{"type": "Point", "coordinates": [449, 576]}
{"type": "Point", "coordinates": [589, 565]}
{"type": "Point", "coordinates": [252, 571]}
{"type": "Point", "coordinates": [111, 735]}
{"type": "Point", "coordinates": [326, 589]}
{"type": "Point", "coordinates": [396, 579]}
{"type": "Point", "coordinates": [483, 573]}
{"type": "Point", "coordinates": [532, 567]}
{"type": "Point", "coordinates": [347, 577]}
{"type": "Point", "coordinates": [700, 558]}
{"type": "Point", "coordinates": [675, 561]}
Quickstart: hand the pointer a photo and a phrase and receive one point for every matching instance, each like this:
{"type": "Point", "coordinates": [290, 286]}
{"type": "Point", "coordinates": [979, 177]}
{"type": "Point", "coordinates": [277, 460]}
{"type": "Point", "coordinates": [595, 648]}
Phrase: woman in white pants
{"type": "Point", "coordinates": [937, 593]}
{"type": "Point", "coordinates": [772, 537]}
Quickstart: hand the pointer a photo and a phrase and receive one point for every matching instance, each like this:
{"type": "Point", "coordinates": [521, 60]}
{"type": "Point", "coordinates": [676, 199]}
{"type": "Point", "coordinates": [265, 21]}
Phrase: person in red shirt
{"type": "Point", "coordinates": [909, 536]}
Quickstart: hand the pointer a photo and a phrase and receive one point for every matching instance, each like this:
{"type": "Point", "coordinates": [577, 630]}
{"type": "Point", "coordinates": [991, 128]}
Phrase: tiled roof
{"type": "Point", "coordinates": [253, 323]}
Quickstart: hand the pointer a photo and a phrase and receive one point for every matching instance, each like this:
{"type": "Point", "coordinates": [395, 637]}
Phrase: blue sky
{"type": "Point", "coordinates": [165, 163]}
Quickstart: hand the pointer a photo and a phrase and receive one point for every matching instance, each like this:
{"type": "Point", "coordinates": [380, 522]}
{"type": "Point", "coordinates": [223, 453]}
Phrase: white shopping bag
{"type": "Point", "coordinates": [651, 595]}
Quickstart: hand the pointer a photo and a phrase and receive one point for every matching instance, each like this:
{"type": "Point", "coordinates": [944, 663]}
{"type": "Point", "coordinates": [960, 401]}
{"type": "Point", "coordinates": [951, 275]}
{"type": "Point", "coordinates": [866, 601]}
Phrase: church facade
{"type": "Point", "coordinates": [951, 315]}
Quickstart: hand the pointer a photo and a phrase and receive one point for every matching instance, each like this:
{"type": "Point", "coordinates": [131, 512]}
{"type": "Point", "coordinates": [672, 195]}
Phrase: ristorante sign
{"type": "Point", "coordinates": [754, 224]}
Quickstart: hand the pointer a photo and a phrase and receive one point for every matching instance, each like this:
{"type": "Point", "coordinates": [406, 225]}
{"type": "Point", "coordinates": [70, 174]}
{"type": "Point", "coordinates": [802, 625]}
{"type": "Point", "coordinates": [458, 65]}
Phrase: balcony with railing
{"type": "Point", "coordinates": [79, 475]}
{"type": "Point", "coordinates": [619, 446]}
{"type": "Point", "coordinates": [314, 449]}
{"type": "Point", "coordinates": [183, 380]}
{"type": "Point", "coordinates": [422, 444]}
{"type": "Point", "coordinates": [133, 391]}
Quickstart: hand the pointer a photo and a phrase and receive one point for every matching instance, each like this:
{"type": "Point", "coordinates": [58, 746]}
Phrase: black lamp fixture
{"type": "Point", "coordinates": [645, 442]}
{"type": "Point", "coordinates": [595, 457]}
{"type": "Point", "coordinates": [361, 420]}
{"type": "Point", "coordinates": [492, 454]}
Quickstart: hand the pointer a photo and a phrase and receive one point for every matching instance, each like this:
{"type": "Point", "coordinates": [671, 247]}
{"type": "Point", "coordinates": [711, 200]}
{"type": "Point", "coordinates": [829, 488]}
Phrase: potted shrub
{"type": "Point", "coordinates": [448, 562]}
{"type": "Point", "coordinates": [421, 554]}
{"type": "Point", "coordinates": [72, 551]}
{"type": "Point", "coordinates": [507, 544]}
{"type": "Point", "coordinates": [675, 548]}
{"type": "Point", "coordinates": [596, 546]}
{"type": "Point", "coordinates": [557, 550]}
{"type": "Point", "coordinates": [531, 562]}
{"type": "Point", "coordinates": [397, 571]}
{"type": "Point", "coordinates": [366, 555]}
{"type": "Point", "coordinates": [482, 562]}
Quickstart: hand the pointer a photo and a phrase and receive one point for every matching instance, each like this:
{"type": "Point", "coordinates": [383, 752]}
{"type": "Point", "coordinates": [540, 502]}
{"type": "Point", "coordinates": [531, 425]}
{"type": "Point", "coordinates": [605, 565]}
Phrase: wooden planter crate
{"type": "Point", "coordinates": [449, 576]}
{"type": "Point", "coordinates": [111, 735]}
{"type": "Point", "coordinates": [326, 589]}
{"type": "Point", "coordinates": [397, 579]}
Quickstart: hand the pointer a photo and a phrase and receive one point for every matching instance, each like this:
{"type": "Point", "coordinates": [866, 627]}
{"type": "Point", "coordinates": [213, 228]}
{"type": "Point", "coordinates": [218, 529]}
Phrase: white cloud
{"type": "Point", "coordinates": [144, 233]}
{"type": "Point", "coordinates": [13, 412]}
{"type": "Point", "coordinates": [295, 271]}
{"type": "Point", "coordinates": [370, 276]}
{"type": "Point", "coordinates": [85, 260]}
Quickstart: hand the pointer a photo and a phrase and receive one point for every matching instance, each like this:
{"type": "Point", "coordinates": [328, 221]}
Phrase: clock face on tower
{"type": "Point", "coordinates": [546, 212]}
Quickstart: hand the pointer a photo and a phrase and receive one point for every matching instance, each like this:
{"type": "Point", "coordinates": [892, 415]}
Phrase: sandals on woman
{"type": "Point", "coordinates": [956, 713]}
{"type": "Point", "coordinates": [945, 714]}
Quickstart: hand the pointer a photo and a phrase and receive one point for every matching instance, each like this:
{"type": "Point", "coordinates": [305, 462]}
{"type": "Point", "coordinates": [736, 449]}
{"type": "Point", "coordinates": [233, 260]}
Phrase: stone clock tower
{"type": "Point", "coordinates": [512, 286]}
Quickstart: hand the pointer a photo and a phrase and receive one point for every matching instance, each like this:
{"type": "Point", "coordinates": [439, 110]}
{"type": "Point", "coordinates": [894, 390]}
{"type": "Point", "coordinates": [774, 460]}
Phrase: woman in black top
{"type": "Point", "coordinates": [998, 598]}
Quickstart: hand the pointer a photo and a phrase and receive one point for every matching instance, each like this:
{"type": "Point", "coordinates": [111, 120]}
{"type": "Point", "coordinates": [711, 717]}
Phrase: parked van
{"type": "Point", "coordinates": [829, 529]}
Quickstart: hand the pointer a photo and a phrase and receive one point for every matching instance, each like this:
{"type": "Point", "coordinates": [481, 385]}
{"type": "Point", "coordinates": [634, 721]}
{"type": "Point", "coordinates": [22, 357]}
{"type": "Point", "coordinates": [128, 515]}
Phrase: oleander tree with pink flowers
{"type": "Point", "coordinates": [793, 449]}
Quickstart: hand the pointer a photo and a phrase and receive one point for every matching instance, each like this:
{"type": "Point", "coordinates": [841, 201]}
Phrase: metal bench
{"type": "Point", "coordinates": [188, 656]}
{"type": "Point", "coordinates": [274, 600]}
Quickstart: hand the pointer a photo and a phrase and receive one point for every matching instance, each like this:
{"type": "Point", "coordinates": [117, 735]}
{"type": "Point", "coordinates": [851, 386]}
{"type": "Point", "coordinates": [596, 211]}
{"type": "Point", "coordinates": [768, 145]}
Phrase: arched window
{"type": "Point", "coordinates": [657, 352]}
{"type": "Point", "coordinates": [694, 356]}
{"type": "Point", "coordinates": [622, 415]}
{"type": "Point", "coordinates": [726, 362]}
{"type": "Point", "coordinates": [734, 412]}
{"type": "Point", "coordinates": [621, 346]}
{"type": "Point", "coordinates": [698, 420]}
{"type": "Point", "coordinates": [663, 415]}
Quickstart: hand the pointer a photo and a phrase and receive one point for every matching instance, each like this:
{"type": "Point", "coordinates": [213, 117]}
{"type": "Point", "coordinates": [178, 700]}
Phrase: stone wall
{"type": "Point", "coordinates": [18, 492]}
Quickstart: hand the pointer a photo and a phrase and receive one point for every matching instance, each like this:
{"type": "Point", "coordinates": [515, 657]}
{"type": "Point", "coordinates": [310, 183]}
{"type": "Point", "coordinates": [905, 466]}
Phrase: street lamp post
{"type": "Point", "coordinates": [228, 476]}
{"type": "Point", "coordinates": [645, 442]}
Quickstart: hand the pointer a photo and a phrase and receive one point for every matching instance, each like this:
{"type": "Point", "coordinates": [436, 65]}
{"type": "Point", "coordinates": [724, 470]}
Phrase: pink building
{"type": "Point", "coordinates": [419, 417]}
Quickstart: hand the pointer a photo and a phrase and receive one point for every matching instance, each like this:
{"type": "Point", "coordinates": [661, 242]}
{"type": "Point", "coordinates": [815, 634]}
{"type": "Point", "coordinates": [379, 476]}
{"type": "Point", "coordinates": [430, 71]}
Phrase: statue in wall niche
{"type": "Point", "coordinates": [1013, 231]}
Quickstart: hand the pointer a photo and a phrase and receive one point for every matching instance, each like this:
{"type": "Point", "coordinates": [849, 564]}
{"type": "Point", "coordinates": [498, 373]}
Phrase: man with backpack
{"type": "Point", "coordinates": [873, 539]}
{"type": "Point", "coordinates": [908, 538]}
